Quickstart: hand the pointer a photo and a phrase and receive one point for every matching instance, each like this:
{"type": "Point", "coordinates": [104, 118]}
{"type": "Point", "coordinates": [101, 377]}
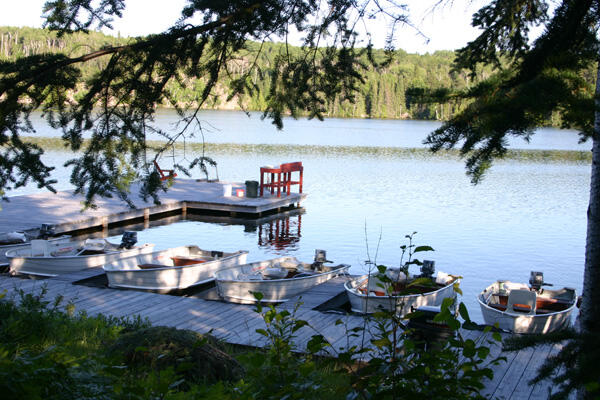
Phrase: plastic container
{"type": "Point", "coordinates": [252, 189]}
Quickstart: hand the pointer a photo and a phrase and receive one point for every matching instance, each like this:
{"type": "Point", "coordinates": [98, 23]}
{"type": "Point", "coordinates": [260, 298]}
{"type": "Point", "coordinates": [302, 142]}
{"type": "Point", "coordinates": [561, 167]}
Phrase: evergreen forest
{"type": "Point", "coordinates": [381, 95]}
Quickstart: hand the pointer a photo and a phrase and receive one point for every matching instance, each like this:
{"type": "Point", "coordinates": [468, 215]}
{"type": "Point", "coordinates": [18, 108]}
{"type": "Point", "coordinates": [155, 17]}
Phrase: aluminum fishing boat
{"type": "Point", "coordinates": [47, 258]}
{"type": "Point", "coordinates": [171, 269]}
{"type": "Point", "coordinates": [278, 279]}
{"type": "Point", "coordinates": [367, 294]}
{"type": "Point", "coordinates": [519, 308]}
{"type": "Point", "coordinates": [22, 240]}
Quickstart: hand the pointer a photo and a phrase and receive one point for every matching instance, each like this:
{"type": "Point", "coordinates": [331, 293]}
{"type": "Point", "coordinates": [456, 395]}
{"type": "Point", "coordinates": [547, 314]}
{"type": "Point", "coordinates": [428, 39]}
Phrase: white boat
{"type": "Point", "coordinates": [21, 240]}
{"type": "Point", "coordinates": [50, 258]}
{"type": "Point", "coordinates": [278, 279]}
{"type": "Point", "coordinates": [175, 268]}
{"type": "Point", "coordinates": [366, 294]}
{"type": "Point", "coordinates": [519, 308]}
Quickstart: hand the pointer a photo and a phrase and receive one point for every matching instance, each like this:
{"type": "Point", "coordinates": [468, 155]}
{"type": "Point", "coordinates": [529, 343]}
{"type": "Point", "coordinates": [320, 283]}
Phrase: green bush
{"type": "Point", "coordinates": [197, 358]}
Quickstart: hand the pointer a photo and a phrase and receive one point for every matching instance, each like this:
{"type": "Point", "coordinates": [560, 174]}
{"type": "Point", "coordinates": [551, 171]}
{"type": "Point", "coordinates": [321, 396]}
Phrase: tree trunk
{"type": "Point", "coordinates": [590, 309]}
{"type": "Point", "coordinates": [590, 313]}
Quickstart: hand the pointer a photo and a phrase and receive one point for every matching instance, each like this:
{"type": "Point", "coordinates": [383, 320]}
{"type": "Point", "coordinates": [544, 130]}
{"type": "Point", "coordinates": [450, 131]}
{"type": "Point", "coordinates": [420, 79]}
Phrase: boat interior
{"type": "Point", "coordinates": [286, 268]}
{"type": "Point", "coordinates": [519, 298]}
{"type": "Point", "coordinates": [182, 256]}
{"type": "Point", "coordinates": [374, 287]}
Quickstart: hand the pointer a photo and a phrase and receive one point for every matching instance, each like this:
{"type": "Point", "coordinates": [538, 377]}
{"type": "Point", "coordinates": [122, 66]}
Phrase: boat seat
{"type": "Point", "coordinates": [521, 301]}
{"type": "Point", "coordinates": [180, 261]}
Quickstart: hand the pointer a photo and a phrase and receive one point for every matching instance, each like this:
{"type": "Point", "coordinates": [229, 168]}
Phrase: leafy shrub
{"type": "Point", "coordinates": [197, 358]}
{"type": "Point", "coordinates": [282, 371]}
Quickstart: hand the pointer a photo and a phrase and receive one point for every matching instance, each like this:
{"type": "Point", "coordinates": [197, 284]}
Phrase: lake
{"type": "Point", "coordinates": [367, 188]}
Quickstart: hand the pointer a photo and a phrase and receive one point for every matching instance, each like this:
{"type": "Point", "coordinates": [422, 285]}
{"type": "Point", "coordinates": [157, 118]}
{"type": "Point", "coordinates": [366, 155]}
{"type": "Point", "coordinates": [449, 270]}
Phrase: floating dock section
{"type": "Point", "coordinates": [65, 211]}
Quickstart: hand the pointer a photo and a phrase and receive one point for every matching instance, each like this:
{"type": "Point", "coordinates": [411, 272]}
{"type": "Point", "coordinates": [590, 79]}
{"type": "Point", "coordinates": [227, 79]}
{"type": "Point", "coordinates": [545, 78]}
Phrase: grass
{"type": "Point", "coordinates": [215, 149]}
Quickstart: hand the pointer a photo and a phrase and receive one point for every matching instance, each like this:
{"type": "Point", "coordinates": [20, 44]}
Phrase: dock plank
{"type": "Point", "coordinates": [542, 390]}
{"type": "Point", "coordinates": [135, 307]}
{"type": "Point", "coordinates": [514, 374]}
{"type": "Point", "coordinates": [198, 309]}
{"type": "Point", "coordinates": [500, 371]}
{"type": "Point", "coordinates": [523, 389]}
{"type": "Point", "coordinates": [99, 298]}
{"type": "Point", "coordinates": [157, 313]}
{"type": "Point", "coordinates": [111, 304]}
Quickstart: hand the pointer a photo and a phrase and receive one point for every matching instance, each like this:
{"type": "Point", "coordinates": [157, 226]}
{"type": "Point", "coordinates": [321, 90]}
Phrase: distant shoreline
{"type": "Point", "coordinates": [521, 155]}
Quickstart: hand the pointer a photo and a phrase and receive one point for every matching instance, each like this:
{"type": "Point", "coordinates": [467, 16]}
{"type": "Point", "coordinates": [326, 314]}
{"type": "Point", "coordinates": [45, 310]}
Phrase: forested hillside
{"type": "Point", "coordinates": [380, 96]}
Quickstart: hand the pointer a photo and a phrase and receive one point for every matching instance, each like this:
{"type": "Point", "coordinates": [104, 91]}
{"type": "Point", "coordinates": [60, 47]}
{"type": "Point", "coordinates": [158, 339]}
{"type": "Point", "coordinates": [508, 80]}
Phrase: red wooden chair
{"type": "Point", "coordinates": [287, 170]}
{"type": "Point", "coordinates": [274, 182]}
{"type": "Point", "coordinates": [164, 173]}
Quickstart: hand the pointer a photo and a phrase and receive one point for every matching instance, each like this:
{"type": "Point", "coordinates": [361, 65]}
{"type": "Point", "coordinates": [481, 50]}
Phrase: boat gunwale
{"type": "Point", "coordinates": [245, 301]}
{"type": "Point", "coordinates": [546, 315]}
{"type": "Point", "coordinates": [41, 274]}
{"type": "Point", "coordinates": [28, 243]}
{"type": "Point", "coordinates": [338, 267]}
{"type": "Point", "coordinates": [163, 288]}
{"type": "Point", "coordinates": [108, 253]}
{"type": "Point", "coordinates": [355, 292]}
{"type": "Point", "coordinates": [166, 267]}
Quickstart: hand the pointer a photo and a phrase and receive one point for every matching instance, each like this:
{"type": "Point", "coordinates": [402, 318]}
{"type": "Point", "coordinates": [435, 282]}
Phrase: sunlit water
{"type": "Point", "coordinates": [522, 217]}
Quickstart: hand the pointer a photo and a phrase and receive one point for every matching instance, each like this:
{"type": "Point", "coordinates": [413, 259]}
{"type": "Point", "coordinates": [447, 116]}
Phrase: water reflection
{"type": "Point", "coordinates": [275, 232]}
{"type": "Point", "coordinates": [280, 234]}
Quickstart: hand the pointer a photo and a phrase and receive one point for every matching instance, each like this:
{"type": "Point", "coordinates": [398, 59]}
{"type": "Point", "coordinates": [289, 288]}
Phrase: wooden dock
{"type": "Point", "coordinates": [65, 211]}
{"type": "Point", "coordinates": [237, 324]}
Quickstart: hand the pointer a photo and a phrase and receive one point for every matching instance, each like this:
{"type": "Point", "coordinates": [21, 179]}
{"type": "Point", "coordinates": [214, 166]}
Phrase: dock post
{"type": "Point", "coordinates": [104, 223]}
{"type": "Point", "coordinates": [184, 210]}
{"type": "Point", "coordinates": [146, 218]}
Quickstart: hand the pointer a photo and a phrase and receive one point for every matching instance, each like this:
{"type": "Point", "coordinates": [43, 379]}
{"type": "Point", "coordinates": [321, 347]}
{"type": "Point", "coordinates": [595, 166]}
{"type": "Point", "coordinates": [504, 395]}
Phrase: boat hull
{"type": "Point", "coordinates": [524, 323]}
{"type": "Point", "coordinates": [368, 304]}
{"type": "Point", "coordinates": [22, 262]}
{"type": "Point", "coordinates": [127, 274]}
{"type": "Point", "coordinates": [274, 291]}
{"type": "Point", "coordinates": [26, 245]}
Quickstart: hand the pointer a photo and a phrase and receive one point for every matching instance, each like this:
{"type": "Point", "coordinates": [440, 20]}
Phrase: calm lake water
{"type": "Point", "coordinates": [524, 216]}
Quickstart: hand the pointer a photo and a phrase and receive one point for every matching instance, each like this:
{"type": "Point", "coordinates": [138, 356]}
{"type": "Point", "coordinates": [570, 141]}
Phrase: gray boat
{"type": "Point", "coordinates": [170, 269]}
{"type": "Point", "coordinates": [49, 258]}
{"type": "Point", "coordinates": [367, 294]}
{"type": "Point", "coordinates": [279, 279]}
{"type": "Point", "coordinates": [519, 308]}
{"type": "Point", "coordinates": [22, 240]}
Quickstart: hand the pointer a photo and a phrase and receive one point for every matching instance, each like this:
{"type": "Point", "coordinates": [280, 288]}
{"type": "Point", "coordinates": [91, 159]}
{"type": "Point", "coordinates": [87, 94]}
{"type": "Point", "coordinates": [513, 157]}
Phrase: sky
{"type": "Point", "coordinates": [447, 28]}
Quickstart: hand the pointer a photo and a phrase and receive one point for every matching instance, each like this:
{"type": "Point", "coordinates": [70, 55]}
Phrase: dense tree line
{"type": "Point", "coordinates": [380, 96]}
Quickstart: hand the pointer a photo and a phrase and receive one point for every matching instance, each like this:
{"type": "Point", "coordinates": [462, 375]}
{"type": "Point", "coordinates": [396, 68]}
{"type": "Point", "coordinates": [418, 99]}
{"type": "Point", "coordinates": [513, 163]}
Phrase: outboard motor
{"type": "Point", "coordinates": [128, 240]}
{"type": "Point", "coordinates": [427, 269]}
{"type": "Point", "coordinates": [320, 259]}
{"type": "Point", "coordinates": [46, 231]}
{"type": "Point", "coordinates": [536, 280]}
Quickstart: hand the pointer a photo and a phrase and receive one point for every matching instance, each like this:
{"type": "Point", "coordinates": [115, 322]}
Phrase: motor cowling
{"type": "Point", "coordinates": [128, 240]}
{"type": "Point", "coordinates": [320, 259]}
{"type": "Point", "coordinates": [536, 280]}
{"type": "Point", "coordinates": [427, 269]}
{"type": "Point", "coordinates": [46, 231]}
